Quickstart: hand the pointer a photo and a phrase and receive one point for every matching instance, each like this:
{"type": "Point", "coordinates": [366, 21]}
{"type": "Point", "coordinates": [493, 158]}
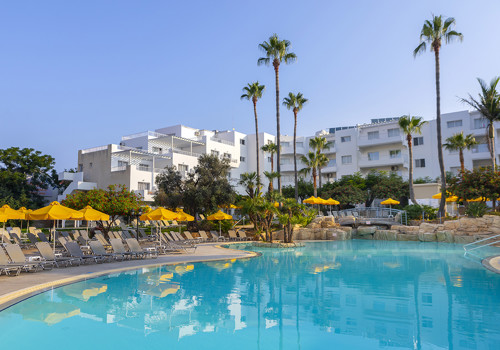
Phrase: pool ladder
{"type": "Point", "coordinates": [474, 246]}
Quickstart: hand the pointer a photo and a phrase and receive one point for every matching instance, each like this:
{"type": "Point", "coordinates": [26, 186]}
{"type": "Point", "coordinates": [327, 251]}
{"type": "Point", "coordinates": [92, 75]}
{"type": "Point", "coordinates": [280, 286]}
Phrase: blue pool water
{"type": "Point", "coordinates": [331, 295]}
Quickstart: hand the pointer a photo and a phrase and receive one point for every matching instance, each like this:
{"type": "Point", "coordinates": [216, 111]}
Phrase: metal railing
{"type": "Point", "coordinates": [118, 168]}
{"type": "Point", "coordinates": [225, 142]}
{"type": "Point", "coordinates": [141, 134]}
{"type": "Point", "coordinates": [94, 149]}
{"type": "Point", "coordinates": [388, 214]}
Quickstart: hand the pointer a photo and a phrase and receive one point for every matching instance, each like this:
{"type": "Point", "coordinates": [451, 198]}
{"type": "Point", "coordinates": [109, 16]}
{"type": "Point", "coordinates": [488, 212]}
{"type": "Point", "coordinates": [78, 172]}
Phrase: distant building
{"type": "Point", "coordinates": [380, 145]}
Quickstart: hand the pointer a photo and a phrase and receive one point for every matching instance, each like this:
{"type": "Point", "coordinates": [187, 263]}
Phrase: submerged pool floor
{"type": "Point", "coordinates": [326, 295]}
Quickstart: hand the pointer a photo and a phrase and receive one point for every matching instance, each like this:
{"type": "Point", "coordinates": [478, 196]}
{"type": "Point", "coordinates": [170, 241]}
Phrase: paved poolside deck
{"type": "Point", "coordinates": [492, 263]}
{"type": "Point", "coordinates": [14, 289]}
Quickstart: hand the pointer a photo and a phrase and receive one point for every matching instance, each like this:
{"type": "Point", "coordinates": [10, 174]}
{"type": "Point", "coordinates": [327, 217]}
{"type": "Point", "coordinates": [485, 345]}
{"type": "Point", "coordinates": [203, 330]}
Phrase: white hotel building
{"type": "Point", "coordinates": [380, 145]}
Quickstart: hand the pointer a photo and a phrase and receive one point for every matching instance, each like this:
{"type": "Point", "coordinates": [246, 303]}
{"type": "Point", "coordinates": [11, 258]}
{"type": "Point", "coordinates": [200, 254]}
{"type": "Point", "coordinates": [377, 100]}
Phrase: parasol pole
{"type": "Point", "coordinates": [54, 236]}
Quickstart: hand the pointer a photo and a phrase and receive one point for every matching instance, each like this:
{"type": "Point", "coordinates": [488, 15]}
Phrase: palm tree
{"type": "Point", "coordinates": [277, 51]}
{"type": "Point", "coordinates": [250, 182]}
{"type": "Point", "coordinates": [459, 142]}
{"type": "Point", "coordinates": [253, 92]}
{"type": "Point", "coordinates": [433, 33]}
{"type": "Point", "coordinates": [271, 175]}
{"type": "Point", "coordinates": [319, 143]}
{"type": "Point", "coordinates": [272, 149]}
{"type": "Point", "coordinates": [488, 105]}
{"type": "Point", "coordinates": [411, 126]}
{"type": "Point", "coordinates": [311, 161]}
{"type": "Point", "coordinates": [295, 103]}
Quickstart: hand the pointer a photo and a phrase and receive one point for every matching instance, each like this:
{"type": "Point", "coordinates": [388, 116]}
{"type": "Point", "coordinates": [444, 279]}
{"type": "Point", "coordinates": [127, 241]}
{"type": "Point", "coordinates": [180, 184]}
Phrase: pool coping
{"type": "Point", "coordinates": [492, 263]}
{"type": "Point", "coordinates": [9, 299]}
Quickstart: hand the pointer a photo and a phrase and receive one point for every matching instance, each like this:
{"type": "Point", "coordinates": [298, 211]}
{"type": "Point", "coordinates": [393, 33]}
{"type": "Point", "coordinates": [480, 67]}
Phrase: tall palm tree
{"type": "Point", "coordinates": [271, 175]}
{"type": "Point", "coordinates": [250, 182]}
{"type": "Point", "coordinates": [295, 103]}
{"type": "Point", "coordinates": [253, 92]}
{"type": "Point", "coordinates": [277, 51]}
{"type": "Point", "coordinates": [272, 149]}
{"type": "Point", "coordinates": [411, 126]}
{"type": "Point", "coordinates": [433, 33]}
{"type": "Point", "coordinates": [488, 105]}
{"type": "Point", "coordinates": [311, 161]}
{"type": "Point", "coordinates": [459, 142]}
{"type": "Point", "coordinates": [319, 143]}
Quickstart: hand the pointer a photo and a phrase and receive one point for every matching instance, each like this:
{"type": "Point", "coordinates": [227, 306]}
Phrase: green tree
{"type": "Point", "coordinates": [24, 173]}
{"type": "Point", "coordinates": [208, 187]}
{"type": "Point", "coordinates": [272, 149]}
{"type": "Point", "coordinates": [250, 182]}
{"type": "Point", "coordinates": [488, 104]}
{"type": "Point", "coordinates": [311, 161]}
{"type": "Point", "coordinates": [170, 188]}
{"type": "Point", "coordinates": [277, 51]}
{"type": "Point", "coordinates": [433, 33]}
{"type": "Point", "coordinates": [382, 185]}
{"type": "Point", "coordinates": [479, 182]}
{"type": "Point", "coordinates": [116, 201]}
{"type": "Point", "coordinates": [289, 215]}
{"type": "Point", "coordinates": [346, 194]}
{"type": "Point", "coordinates": [253, 92]}
{"type": "Point", "coordinates": [295, 103]}
{"type": "Point", "coordinates": [319, 144]}
{"type": "Point", "coordinates": [411, 126]}
{"type": "Point", "coordinates": [459, 142]}
{"type": "Point", "coordinates": [306, 190]}
{"type": "Point", "coordinates": [271, 175]}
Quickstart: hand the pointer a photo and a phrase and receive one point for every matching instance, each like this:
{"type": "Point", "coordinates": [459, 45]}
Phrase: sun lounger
{"type": "Point", "coordinates": [233, 236]}
{"type": "Point", "coordinates": [135, 247]}
{"type": "Point", "coordinates": [168, 244]}
{"type": "Point", "coordinates": [42, 237]}
{"type": "Point", "coordinates": [32, 238]}
{"type": "Point", "coordinates": [184, 242]}
{"type": "Point", "coordinates": [119, 248]}
{"type": "Point", "coordinates": [190, 237]}
{"type": "Point", "coordinates": [202, 217]}
{"type": "Point", "coordinates": [204, 237]}
{"type": "Point", "coordinates": [16, 239]}
{"type": "Point", "coordinates": [99, 250]}
{"type": "Point", "coordinates": [243, 235]}
{"type": "Point", "coordinates": [100, 237]}
{"type": "Point", "coordinates": [8, 267]}
{"type": "Point", "coordinates": [216, 236]}
{"type": "Point", "coordinates": [75, 252]}
{"type": "Point", "coordinates": [16, 255]}
{"type": "Point", "coordinates": [66, 235]}
{"type": "Point", "coordinates": [46, 252]}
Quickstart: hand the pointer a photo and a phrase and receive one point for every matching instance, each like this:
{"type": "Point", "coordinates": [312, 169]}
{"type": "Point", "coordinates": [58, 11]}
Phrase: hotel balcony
{"type": "Point", "coordinates": [365, 162]}
{"type": "Point", "coordinates": [331, 167]}
{"type": "Point", "coordinates": [288, 150]}
{"type": "Point", "coordinates": [289, 167]}
{"type": "Point", "coordinates": [147, 195]}
{"type": "Point", "coordinates": [364, 141]}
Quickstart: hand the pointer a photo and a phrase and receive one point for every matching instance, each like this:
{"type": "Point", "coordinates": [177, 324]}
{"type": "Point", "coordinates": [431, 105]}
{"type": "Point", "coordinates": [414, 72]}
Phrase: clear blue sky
{"type": "Point", "coordinates": [79, 74]}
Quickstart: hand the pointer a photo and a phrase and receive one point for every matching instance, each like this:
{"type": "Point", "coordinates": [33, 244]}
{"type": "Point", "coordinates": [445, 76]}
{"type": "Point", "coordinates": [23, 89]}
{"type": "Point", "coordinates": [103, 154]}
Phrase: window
{"type": "Point", "coordinates": [143, 167]}
{"type": "Point", "coordinates": [454, 123]}
{"type": "Point", "coordinates": [242, 142]}
{"type": "Point", "coordinates": [418, 141]}
{"type": "Point", "coordinates": [285, 161]}
{"type": "Point", "coordinates": [396, 153]}
{"type": "Point", "coordinates": [285, 144]}
{"type": "Point", "coordinates": [373, 156]}
{"type": "Point", "coordinates": [372, 135]}
{"type": "Point", "coordinates": [214, 153]}
{"type": "Point", "coordinates": [183, 168]}
{"type": "Point", "coordinates": [80, 167]}
{"type": "Point", "coordinates": [346, 159]}
{"type": "Point", "coordinates": [90, 165]}
{"type": "Point", "coordinates": [143, 186]}
{"type": "Point", "coordinates": [393, 132]}
{"type": "Point", "coordinates": [480, 148]}
{"type": "Point", "coordinates": [345, 139]}
{"type": "Point", "coordinates": [242, 159]}
{"type": "Point", "coordinates": [300, 144]}
{"type": "Point", "coordinates": [122, 163]}
{"type": "Point", "coordinates": [420, 163]}
{"type": "Point", "coordinates": [426, 322]}
{"type": "Point", "coordinates": [480, 123]}
{"type": "Point", "coordinates": [227, 155]}
{"type": "Point", "coordinates": [269, 160]}
{"type": "Point", "coordinates": [157, 150]}
{"type": "Point", "coordinates": [140, 147]}
{"type": "Point", "coordinates": [427, 298]}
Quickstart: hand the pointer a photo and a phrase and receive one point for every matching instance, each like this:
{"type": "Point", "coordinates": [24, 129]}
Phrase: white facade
{"type": "Point", "coordinates": [380, 145]}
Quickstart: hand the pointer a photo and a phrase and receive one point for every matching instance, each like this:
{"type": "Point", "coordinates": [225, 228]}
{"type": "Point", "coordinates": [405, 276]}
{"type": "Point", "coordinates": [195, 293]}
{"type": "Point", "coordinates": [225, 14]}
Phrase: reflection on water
{"type": "Point", "coordinates": [342, 295]}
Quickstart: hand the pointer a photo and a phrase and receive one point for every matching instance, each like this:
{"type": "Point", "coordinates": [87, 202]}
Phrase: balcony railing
{"type": "Point", "coordinates": [365, 141]}
{"type": "Point", "coordinates": [480, 148]}
{"type": "Point", "coordinates": [119, 168]}
{"type": "Point", "coordinates": [365, 162]}
{"type": "Point", "coordinates": [225, 142]}
{"type": "Point", "coordinates": [94, 149]}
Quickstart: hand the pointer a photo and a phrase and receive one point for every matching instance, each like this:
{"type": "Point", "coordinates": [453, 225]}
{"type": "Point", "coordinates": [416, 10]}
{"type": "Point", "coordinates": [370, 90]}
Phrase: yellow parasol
{"type": "Point", "coordinates": [438, 195]}
{"type": "Point", "coordinates": [331, 201]}
{"type": "Point", "coordinates": [25, 211]}
{"type": "Point", "coordinates": [311, 200]}
{"type": "Point", "coordinates": [163, 289]}
{"type": "Point", "coordinates": [90, 290]}
{"type": "Point", "coordinates": [390, 202]}
{"type": "Point", "coordinates": [159, 214]}
{"type": "Point", "coordinates": [55, 211]}
{"type": "Point", "coordinates": [452, 199]}
{"type": "Point", "coordinates": [90, 214]}
{"type": "Point", "coordinates": [182, 216]}
{"type": "Point", "coordinates": [479, 199]}
{"type": "Point", "coordinates": [10, 214]}
{"type": "Point", "coordinates": [220, 215]}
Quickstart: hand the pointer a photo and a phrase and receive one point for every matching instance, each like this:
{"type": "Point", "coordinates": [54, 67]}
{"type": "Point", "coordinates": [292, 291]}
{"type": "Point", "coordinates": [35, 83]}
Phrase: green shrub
{"type": "Point", "coordinates": [476, 209]}
{"type": "Point", "coordinates": [414, 212]}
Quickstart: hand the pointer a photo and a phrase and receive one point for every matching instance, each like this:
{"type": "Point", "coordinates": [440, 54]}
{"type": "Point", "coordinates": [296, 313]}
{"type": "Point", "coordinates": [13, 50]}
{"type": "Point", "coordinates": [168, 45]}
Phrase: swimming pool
{"type": "Point", "coordinates": [327, 295]}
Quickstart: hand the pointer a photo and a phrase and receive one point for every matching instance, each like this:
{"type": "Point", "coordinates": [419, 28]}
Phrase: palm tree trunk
{"type": "Point", "coordinates": [278, 138]}
{"type": "Point", "coordinates": [442, 203]}
{"type": "Point", "coordinates": [314, 182]}
{"type": "Point", "coordinates": [491, 137]}
{"type": "Point", "coordinates": [257, 140]}
{"type": "Point", "coordinates": [410, 169]}
{"type": "Point", "coordinates": [319, 177]}
{"type": "Point", "coordinates": [461, 157]}
{"type": "Point", "coordinates": [295, 156]}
